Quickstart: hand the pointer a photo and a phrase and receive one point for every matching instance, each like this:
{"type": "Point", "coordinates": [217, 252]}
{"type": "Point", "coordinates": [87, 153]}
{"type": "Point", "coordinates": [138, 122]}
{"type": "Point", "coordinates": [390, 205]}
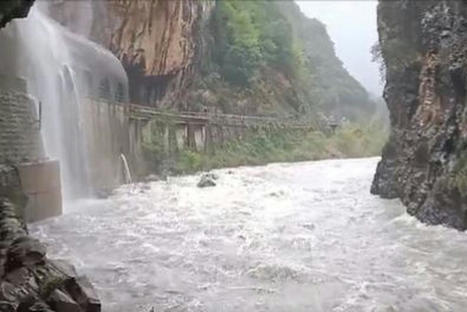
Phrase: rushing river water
{"type": "Point", "coordinates": [284, 238]}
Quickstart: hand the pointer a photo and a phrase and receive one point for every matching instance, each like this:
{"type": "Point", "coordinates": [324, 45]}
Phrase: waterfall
{"type": "Point", "coordinates": [126, 170]}
{"type": "Point", "coordinates": [62, 69]}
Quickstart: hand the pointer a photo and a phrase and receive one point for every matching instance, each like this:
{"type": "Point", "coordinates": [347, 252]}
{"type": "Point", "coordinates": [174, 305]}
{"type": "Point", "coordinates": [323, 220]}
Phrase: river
{"type": "Point", "coordinates": [283, 237]}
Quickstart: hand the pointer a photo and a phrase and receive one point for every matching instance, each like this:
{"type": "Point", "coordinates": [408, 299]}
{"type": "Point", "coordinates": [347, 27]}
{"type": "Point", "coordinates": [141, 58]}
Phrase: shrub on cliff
{"type": "Point", "coordinates": [285, 59]}
{"type": "Point", "coordinates": [250, 34]}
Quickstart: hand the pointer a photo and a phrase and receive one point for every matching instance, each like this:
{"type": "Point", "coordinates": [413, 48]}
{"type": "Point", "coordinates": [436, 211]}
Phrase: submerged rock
{"type": "Point", "coordinates": [156, 177]}
{"type": "Point", "coordinates": [208, 180]}
{"type": "Point", "coordinates": [103, 193]}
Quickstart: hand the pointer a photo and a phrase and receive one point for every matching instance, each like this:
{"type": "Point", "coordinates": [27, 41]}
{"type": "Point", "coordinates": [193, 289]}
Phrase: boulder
{"type": "Point", "coordinates": [6, 306]}
{"type": "Point", "coordinates": [82, 291]}
{"type": "Point", "coordinates": [207, 180]}
{"type": "Point", "coordinates": [155, 178]}
{"type": "Point", "coordinates": [25, 251]}
{"type": "Point", "coordinates": [27, 277]}
{"type": "Point", "coordinates": [62, 302]}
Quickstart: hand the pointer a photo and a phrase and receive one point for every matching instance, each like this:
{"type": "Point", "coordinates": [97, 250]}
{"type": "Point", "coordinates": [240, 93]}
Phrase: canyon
{"type": "Point", "coordinates": [218, 58]}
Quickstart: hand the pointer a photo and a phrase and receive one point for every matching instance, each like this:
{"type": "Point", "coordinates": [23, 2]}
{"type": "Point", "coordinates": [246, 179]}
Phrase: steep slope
{"type": "Point", "coordinates": [334, 89]}
{"type": "Point", "coordinates": [279, 61]}
{"type": "Point", "coordinates": [423, 44]}
{"type": "Point", "coordinates": [261, 57]}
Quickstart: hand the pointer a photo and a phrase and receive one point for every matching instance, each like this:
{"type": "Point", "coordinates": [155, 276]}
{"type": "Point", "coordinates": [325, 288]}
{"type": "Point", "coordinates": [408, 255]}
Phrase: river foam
{"type": "Point", "coordinates": [283, 237]}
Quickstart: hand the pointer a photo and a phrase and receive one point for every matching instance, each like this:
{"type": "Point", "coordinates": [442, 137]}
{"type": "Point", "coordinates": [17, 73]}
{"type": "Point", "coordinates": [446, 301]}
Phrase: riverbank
{"type": "Point", "coordinates": [263, 146]}
{"type": "Point", "coordinates": [29, 281]}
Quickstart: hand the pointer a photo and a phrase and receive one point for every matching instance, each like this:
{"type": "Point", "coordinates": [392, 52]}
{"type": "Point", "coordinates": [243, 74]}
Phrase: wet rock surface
{"type": "Point", "coordinates": [207, 180]}
{"type": "Point", "coordinates": [31, 282]}
{"type": "Point", "coordinates": [425, 161]}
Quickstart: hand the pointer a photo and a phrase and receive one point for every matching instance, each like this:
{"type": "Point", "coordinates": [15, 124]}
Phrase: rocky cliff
{"type": "Point", "coordinates": [423, 45]}
{"type": "Point", "coordinates": [157, 41]}
{"type": "Point", "coordinates": [260, 57]}
{"type": "Point", "coordinates": [13, 9]}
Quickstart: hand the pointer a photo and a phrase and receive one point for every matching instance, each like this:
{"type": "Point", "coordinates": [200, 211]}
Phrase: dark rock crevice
{"type": "Point", "coordinates": [10, 9]}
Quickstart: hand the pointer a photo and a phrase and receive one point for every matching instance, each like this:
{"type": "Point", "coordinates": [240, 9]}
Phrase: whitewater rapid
{"type": "Point", "coordinates": [283, 238]}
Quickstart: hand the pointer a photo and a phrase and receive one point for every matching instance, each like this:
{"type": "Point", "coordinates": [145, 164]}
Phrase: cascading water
{"type": "Point", "coordinates": [62, 69]}
{"type": "Point", "coordinates": [126, 170]}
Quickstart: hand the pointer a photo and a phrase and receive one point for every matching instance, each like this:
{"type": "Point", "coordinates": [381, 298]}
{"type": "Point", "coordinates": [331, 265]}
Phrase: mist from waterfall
{"type": "Point", "coordinates": [61, 69]}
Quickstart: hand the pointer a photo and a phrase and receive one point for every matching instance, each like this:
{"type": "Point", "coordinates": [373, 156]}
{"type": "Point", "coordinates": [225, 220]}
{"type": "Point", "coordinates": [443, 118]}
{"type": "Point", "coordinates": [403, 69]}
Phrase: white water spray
{"type": "Point", "coordinates": [62, 69]}
{"type": "Point", "coordinates": [126, 170]}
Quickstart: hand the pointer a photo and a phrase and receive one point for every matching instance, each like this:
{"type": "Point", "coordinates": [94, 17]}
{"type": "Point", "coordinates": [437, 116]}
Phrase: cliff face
{"type": "Point", "coordinates": [423, 44]}
{"type": "Point", "coordinates": [156, 40]}
{"type": "Point", "coordinates": [13, 9]}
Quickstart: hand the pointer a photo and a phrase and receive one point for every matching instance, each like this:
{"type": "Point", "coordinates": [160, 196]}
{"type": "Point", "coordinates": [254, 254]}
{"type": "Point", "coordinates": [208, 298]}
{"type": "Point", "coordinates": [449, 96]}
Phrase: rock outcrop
{"type": "Point", "coordinates": [423, 44]}
{"type": "Point", "coordinates": [31, 282]}
{"type": "Point", "coordinates": [207, 180]}
{"type": "Point", "coordinates": [13, 9]}
{"type": "Point", "coordinates": [156, 41]}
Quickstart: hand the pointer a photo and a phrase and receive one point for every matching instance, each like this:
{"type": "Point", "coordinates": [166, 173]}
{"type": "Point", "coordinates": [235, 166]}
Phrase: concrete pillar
{"type": "Point", "coordinates": [191, 140]}
{"type": "Point", "coordinates": [208, 139]}
{"type": "Point", "coordinates": [41, 184]}
{"type": "Point", "coordinates": [173, 144]}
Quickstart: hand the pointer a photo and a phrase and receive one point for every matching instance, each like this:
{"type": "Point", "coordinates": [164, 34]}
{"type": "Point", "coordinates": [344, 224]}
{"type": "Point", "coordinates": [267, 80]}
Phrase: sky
{"type": "Point", "coordinates": [352, 27]}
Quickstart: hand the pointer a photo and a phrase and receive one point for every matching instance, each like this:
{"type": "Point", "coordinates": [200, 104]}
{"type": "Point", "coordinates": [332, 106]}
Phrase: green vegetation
{"type": "Point", "coordinates": [153, 146]}
{"type": "Point", "coordinates": [250, 34]}
{"type": "Point", "coordinates": [269, 58]}
{"type": "Point", "coordinates": [48, 286]}
{"type": "Point", "coordinates": [259, 147]}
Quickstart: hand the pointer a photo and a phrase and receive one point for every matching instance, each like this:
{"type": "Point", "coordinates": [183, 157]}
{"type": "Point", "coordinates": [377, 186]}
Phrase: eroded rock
{"type": "Point", "coordinates": [61, 301]}
{"type": "Point", "coordinates": [425, 160]}
{"type": "Point", "coordinates": [30, 282]}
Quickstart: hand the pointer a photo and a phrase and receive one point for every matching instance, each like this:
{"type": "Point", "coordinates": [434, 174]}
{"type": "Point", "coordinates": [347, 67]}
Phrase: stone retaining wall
{"type": "Point", "coordinates": [20, 138]}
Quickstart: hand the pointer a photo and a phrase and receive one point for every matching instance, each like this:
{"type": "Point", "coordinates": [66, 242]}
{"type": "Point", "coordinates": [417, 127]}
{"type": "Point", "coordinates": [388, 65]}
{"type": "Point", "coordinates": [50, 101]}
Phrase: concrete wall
{"type": "Point", "coordinates": [27, 178]}
{"type": "Point", "coordinates": [40, 182]}
{"type": "Point", "coordinates": [107, 136]}
{"type": "Point", "coordinates": [20, 138]}
{"type": "Point", "coordinates": [111, 132]}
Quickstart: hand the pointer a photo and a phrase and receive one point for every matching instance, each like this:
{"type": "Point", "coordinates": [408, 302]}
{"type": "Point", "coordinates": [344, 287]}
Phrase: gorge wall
{"type": "Point", "coordinates": [156, 41]}
{"type": "Point", "coordinates": [423, 45]}
{"type": "Point", "coordinates": [246, 57]}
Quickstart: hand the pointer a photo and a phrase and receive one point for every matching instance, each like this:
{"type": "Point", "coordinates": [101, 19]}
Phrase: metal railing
{"type": "Point", "coordinates": [147, 113]}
